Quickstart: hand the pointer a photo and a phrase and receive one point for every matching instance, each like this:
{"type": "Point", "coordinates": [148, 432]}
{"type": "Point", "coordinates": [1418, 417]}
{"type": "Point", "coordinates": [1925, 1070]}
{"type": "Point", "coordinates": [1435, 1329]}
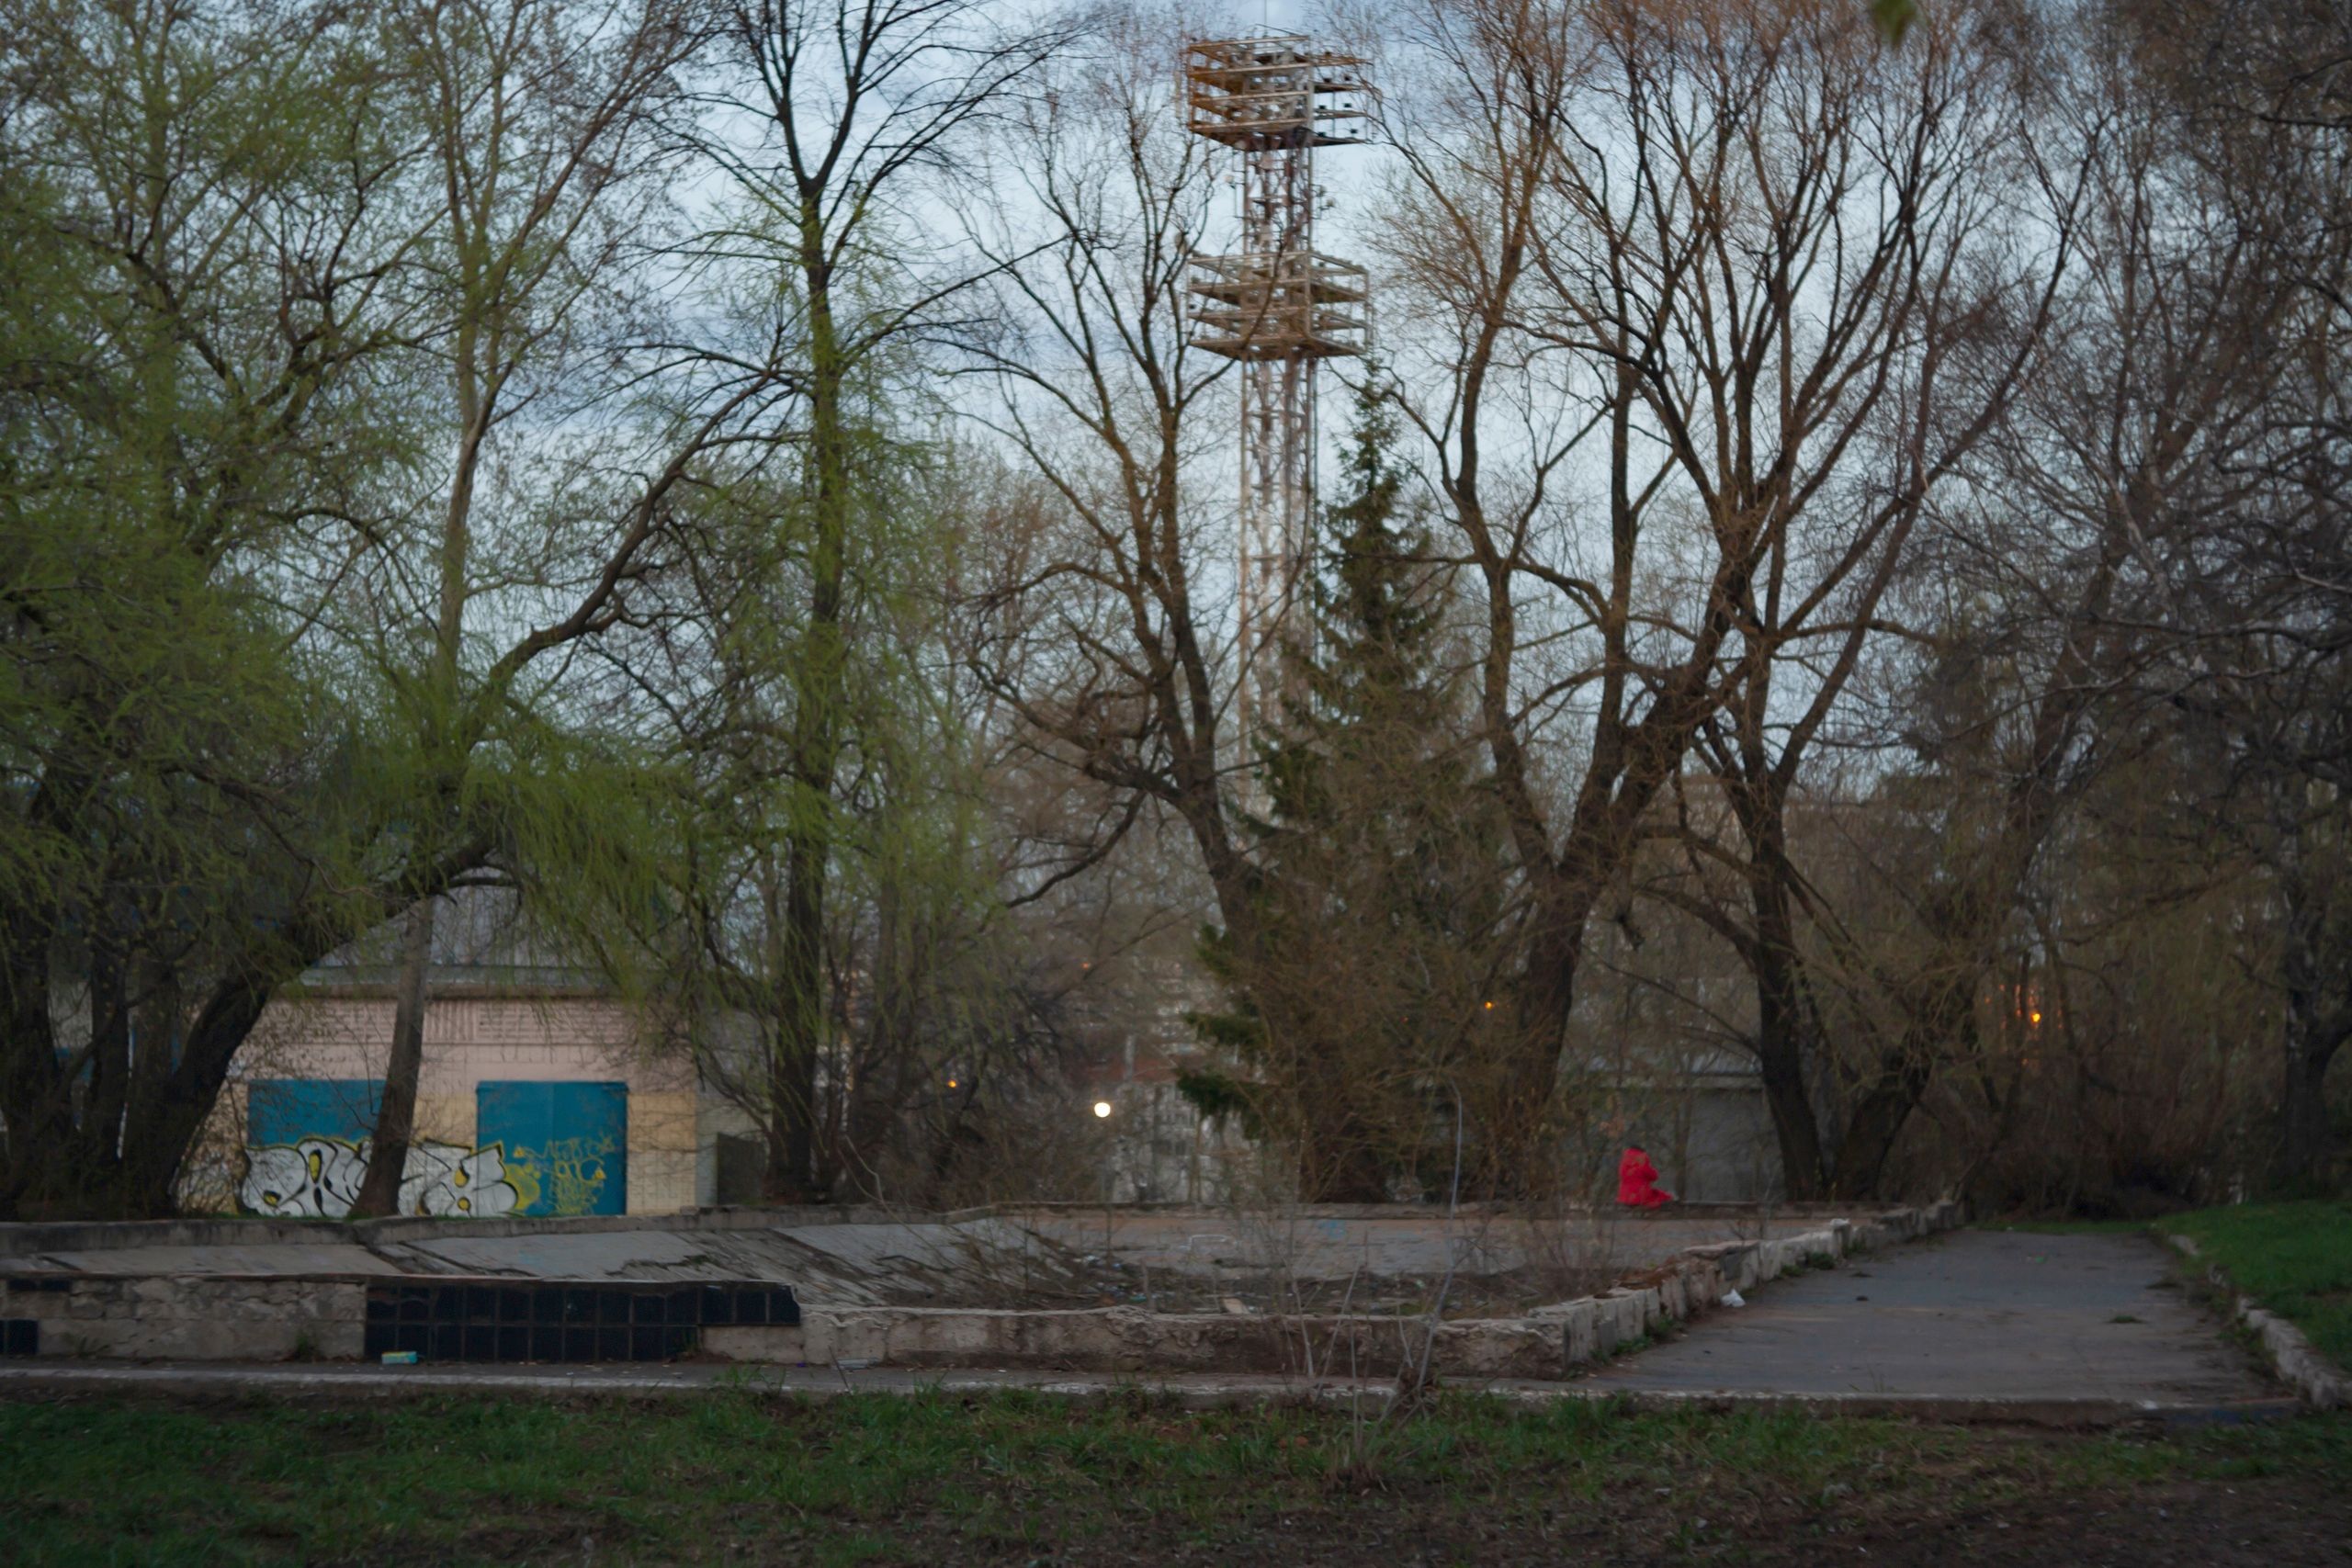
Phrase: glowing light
{"type": "Point", "coordinates": [2034, 1017]}
{"type": "Point", "coordinates": [1102, 1108]}
{"type": "Point", "coordinates": [1491, 1007]}
{"type": "Point", "coordinates": [951, 1083]}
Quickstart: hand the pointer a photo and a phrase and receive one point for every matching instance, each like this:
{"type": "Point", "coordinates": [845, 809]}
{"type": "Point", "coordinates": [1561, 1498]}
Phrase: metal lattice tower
{"type": "Point", "coordinates": [1281, 308]}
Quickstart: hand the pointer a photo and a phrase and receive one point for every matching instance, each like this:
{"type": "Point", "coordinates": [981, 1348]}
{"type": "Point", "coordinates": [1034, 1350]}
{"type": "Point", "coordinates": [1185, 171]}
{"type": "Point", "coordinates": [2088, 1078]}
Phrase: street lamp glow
{"type": "Point", "coordinates": [1102, 1108]}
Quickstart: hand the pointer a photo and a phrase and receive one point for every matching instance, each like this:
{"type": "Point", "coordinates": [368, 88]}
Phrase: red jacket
{"type": "Point", "coordinates": [1637, 1181]}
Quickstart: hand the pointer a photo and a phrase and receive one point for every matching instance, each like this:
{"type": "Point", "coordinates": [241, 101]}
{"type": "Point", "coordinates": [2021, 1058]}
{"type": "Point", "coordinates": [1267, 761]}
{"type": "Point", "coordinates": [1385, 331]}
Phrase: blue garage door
{"type": "Point", "coordinates": [566, 1145]}
{"type": "Point", "coordinates": [287, 1111]}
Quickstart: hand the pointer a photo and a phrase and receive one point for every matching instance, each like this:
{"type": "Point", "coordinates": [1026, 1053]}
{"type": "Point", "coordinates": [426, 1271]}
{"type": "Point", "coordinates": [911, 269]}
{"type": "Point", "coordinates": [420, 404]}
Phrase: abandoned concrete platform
{"type": "Point", "coordinates": [1873, 1311]}
{"type": "Point", "coordinates": [1377, 1290]}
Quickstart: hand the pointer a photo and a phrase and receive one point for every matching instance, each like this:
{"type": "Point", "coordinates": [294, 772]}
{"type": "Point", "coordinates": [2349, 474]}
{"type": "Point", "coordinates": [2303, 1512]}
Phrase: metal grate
{"type": "Point", "coordinates": [624, 1321]}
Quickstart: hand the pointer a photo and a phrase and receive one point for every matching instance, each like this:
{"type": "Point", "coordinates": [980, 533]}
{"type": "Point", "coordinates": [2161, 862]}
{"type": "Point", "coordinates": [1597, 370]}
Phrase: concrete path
{"type": "Point", "coordinates": [1982, 1316]}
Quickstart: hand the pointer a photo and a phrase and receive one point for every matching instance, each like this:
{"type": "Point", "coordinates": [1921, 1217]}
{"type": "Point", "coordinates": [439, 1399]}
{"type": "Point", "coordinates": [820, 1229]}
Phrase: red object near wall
{"type": "Point", "coordinates": [1637, 1181]}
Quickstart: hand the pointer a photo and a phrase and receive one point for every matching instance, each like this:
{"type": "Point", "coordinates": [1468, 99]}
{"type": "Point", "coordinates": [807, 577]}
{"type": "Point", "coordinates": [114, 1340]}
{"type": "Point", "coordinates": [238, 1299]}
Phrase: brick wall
{"type": "Point", "coordinates": [471, 1041]}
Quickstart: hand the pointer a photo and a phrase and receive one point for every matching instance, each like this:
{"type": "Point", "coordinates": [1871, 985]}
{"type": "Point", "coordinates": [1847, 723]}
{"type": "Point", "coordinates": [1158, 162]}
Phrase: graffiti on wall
{"type": "Point", "coordinates": [320, 1177]}
{"type": "Point", "coordinates": [572, 1172]}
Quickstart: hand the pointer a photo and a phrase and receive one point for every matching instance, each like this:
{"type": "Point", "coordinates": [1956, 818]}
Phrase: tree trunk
{"type": "Point", "coordinates": [817, 700]}
{"type": "Point", "coordinates": [1343, 1156]}
{"type": "Point", "coordinates": [380, 1190]}
{"type": "Point", "coordinates": [791, 1089]}
{"type": "Point", "coordinates": [1513, 1157]}
{"type": "Point", "coordinates": [1888, 1102]}
{"type": "Point", "coordinates": [2319, 1020]}
{"type": "Point", "coordinates": [1784, 1031]}
{"type": "Point", "coordinates": [1342, 1163]}
{"type": "Point", "coordinates": [1783, 1037]}
{"type": "Point", "coordinates": [155, 1144]}
{"type": "Point", "coordinates": [2306, 1142]}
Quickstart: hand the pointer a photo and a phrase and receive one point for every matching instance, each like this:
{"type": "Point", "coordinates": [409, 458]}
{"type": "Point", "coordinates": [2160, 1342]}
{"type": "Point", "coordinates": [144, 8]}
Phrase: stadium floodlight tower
{"type": "Point", "coordinates": [1279, 306]}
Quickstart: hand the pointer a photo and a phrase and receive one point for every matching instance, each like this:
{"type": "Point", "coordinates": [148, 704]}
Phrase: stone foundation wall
{"type": "Point", "coordinates": [182, 1318]}
{"type": "Point", "coordinates": [1129, 1339]}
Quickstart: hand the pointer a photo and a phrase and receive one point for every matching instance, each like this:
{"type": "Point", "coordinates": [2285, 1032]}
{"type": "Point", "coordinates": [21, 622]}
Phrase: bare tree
{"type": "Point", "coordinates": [2062, 638]}
{"type": "Point", "coordinates": [2250, 622]}
{"type": "Point", "coordinates": [1989, 237]}
{"type": "Point", "coordinates": [1695, 274]}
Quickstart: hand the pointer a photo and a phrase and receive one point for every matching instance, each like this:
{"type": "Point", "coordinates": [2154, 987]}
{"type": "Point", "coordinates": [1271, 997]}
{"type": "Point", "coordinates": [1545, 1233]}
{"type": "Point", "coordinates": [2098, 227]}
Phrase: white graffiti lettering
{"type": "Point", "coordinates": [320, 1177]}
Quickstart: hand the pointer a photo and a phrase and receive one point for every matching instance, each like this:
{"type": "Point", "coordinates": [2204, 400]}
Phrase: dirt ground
{"type": "Point", "coordinates": [2273, 1523]}
{"type": "Point", "coordinates": [915, 1480]}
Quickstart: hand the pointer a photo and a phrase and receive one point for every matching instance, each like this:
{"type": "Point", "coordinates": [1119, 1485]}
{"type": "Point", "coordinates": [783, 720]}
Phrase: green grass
{"type": "Point", "coordinates": [2295, 1259]}
{"type": "Point", "coordinates": [938, 1478]}
{"type": "Point", "coordinates": [2072, 1227]}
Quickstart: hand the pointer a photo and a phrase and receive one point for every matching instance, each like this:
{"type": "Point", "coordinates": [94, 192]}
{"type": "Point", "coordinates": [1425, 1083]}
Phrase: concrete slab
{"type": "Point", "coordinates": [863, 1264]}
{"type": "Point", "coordinates": [975, 1261]}
{"type": "Point", "coordinates": [1977, 1314]}
{"type": "Point", "coordinates": [649, 1253]}
{"type": "Point", "coordinates": [1318, 1245]}
{"type": "Point", "coordinates": [266, 1257]}
{"type": "Point", "coordinates": [1321, 1259]}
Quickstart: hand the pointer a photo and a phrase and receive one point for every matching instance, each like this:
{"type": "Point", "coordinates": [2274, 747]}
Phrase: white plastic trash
{"type": "Point", "coordinates": [1734, 1299]}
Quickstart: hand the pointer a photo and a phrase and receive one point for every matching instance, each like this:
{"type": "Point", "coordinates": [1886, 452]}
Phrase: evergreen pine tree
{"type": "Point", "coordinates": [1383, 884]}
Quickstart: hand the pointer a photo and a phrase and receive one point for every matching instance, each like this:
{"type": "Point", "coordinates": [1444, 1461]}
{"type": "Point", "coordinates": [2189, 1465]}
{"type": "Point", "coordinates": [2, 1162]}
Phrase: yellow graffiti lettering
{"type": "Point", "coordinates": [567, 1176]}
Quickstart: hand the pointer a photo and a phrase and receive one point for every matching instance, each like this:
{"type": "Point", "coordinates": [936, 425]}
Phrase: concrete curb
{"type": "Point", "coordinates": [2314, 1378]}
{"type": "Point", "coordinates": [1956, 1409]}
{"type": "Point", "coordinates": [308, 1385]}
